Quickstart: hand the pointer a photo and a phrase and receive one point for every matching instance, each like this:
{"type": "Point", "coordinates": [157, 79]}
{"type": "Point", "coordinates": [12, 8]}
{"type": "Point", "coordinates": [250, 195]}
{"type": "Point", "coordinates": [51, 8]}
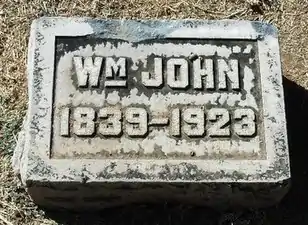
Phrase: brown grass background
{"type": "Point", "coordinates": [291, 18]}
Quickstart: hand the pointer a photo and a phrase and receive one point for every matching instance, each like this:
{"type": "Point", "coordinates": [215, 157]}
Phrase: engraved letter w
{"type": "Point", "coordinates": [87, 70]}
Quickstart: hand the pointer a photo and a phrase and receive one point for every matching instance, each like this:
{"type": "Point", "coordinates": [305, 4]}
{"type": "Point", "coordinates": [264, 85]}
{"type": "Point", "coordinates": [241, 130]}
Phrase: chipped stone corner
{"type": "Point", "coordinates": [19, 149]}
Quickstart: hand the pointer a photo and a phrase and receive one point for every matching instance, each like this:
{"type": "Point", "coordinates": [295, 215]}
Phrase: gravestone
{"type": "Point", "coordinates": [124, 111]}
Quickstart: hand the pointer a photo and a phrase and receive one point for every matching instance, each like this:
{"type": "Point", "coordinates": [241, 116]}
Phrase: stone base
{"type": "Point", "coordinates": [95, 196]}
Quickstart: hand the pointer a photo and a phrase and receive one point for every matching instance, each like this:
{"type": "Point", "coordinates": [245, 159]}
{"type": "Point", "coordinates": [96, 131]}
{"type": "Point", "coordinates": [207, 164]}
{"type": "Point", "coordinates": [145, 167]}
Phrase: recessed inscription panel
{"type": "Point", "coordinates": [163, 99]}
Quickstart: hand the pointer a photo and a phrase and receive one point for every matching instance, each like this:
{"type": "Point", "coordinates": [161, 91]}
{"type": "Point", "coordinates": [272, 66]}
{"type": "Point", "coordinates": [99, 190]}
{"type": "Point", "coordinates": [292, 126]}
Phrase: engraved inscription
{"type": "Point", "coordinates": [156, 79]}
{"type": "Point", "coordinates": [216, 122]}
{"type": "Point", "coordinates": [228, 70]}
{"type": "Point", "coordinates": [84, 121]}
{"type": "Point", "coordinates": [194, 122]}
{"type": "Point", "coordinates": [157, 99]}
{"type": "Point", "coordinates": [111, 124]}
{"type": "Point", "coordinates": [64, 120]}
{"type": "Point", "coordinates": [114, 68]}
{"type": "Point", "coordinates": [220, 119]}
{"type": "Point", "coordinates": [87, 71]}
{"type": "Point", "coordinates": [203, 70]}
{"type": "Point", "coordinates": [178, 72]}
{"type": "Point", "coordinates": [247, 127]}
{"type": "Point", "coordinates": [175, 122]}
{"type": "Point", "coordinates": [137, 122]}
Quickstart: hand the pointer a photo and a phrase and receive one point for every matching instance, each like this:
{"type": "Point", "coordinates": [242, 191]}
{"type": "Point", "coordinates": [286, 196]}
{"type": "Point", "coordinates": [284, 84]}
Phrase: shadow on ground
{"type": "Point", "coordinates": [292, 210]}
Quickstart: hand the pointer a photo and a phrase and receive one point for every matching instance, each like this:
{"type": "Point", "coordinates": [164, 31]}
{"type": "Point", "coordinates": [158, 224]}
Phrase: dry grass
{"type": "Point", "coordinates": [290, 16]}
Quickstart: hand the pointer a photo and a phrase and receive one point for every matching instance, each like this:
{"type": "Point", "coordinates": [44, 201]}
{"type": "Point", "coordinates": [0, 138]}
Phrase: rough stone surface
{"type": "Point", "coordinates": [125, 111]}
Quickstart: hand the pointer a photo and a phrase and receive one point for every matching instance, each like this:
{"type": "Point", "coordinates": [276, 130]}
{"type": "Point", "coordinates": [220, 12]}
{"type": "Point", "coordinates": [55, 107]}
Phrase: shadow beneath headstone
{"type": "Point", "coordinates": [140, 214]}
{"type": "Point", "coordinates": [293, 209]}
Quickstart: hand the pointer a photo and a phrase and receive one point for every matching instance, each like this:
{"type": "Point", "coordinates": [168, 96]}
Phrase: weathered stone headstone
{"type": "Point", "coordinates": [128, 111]}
